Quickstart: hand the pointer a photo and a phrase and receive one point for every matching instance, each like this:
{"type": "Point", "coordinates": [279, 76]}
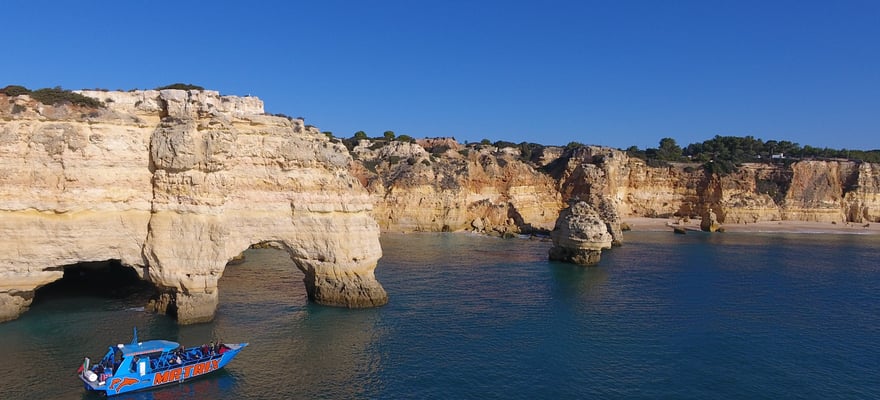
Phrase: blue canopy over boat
{"type": "Point", "coordinates": [150, 346]}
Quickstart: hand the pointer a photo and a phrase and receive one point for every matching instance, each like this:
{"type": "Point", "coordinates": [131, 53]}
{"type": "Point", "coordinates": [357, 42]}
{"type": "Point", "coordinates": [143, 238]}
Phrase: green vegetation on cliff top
{"type": "Point", "coordinates": [737, 150]}
{"type": "Point", "coordinates": [51, 96]}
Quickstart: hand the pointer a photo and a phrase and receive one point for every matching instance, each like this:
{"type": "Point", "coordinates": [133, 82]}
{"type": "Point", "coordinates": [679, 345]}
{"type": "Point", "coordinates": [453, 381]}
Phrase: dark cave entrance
{"type": "Point", "coordinates": [108, 279]}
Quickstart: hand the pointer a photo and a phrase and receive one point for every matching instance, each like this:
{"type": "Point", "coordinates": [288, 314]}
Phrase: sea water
{"type": "Point", "coordinates": [693, 316]}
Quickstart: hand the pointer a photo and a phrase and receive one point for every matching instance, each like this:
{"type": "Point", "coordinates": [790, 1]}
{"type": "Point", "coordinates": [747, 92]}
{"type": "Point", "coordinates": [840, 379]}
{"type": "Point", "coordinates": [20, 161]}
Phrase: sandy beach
{"type": "Point", "coordinates": [668, 224]}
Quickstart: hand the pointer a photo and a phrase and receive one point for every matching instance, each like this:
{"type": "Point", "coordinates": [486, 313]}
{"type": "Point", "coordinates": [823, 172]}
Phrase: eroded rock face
{"type": "Point", "coordinates": [597, 175]}
{"type": "Point", "coordinates": [580, 235]}
{"type": "Point", "coordinates": [818, 191]}
{"type": "Point", "coordinates": [862, 195]}
{"type": "Point", "coordinates": [439, 186]}
{"type": "Point", "coordinates": [174, 184]}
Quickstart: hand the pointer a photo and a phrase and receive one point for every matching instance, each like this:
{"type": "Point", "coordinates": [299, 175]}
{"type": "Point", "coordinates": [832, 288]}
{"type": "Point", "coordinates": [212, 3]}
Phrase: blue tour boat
{"type": "Point", "coordinates": [144, 365]}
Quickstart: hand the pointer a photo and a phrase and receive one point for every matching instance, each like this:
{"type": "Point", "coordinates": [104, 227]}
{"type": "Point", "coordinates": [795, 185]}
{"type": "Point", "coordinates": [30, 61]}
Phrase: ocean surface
{"type": "Point", "coordinates": [696, 316]}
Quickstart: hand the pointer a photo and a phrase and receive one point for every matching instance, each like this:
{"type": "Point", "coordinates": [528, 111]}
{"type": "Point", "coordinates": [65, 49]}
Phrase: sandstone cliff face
{"type": "Point", "coordinates": [862, 195]}
{"type": "Point", "coordinates": [821, 191]}
{"type": "Point", "coordinates": [754, 193]}
{"type": "Point", "coordinates": [816, 192]}
{"type": "Point", "coordinates": [175, 184]}
{"type": "Point", "coordinates": [439, 185]}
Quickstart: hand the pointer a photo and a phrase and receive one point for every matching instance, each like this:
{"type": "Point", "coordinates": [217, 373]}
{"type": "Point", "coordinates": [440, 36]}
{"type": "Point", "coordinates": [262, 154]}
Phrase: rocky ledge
{"type": "Point", "coordinates": [175, 184]}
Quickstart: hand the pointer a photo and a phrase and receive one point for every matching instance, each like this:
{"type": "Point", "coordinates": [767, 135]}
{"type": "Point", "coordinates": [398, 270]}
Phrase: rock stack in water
{"type": "Point", "coordinates": [580, 235]}
{"type": "Point", "coordinates": [710, 222]}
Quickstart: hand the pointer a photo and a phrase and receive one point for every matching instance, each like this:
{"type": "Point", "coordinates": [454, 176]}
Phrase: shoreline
{"type": "Point", "coordinates": [643, 224]}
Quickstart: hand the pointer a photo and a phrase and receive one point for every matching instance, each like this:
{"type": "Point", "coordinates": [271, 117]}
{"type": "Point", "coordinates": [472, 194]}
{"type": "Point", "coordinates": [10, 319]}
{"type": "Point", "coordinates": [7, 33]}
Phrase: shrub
{"type": "Point", "coordinates": [371, 165]}
{"type": "Point", "coordinates": [282, 115]}
{"type": "Point", "coordinates": [349, 143]}
{"type": "Point", "coordinates": [57, 95]}
{"type": "Point", "coordinates": [181, 86]}
{"type": "Point", "coordinates": [440, 149]}
{"type": "Point", "coordinates": [15, 90]}
{"type": "Point", "coordinates": [528, 150]}
{"type": "Point", "coordinates": [719, 167]}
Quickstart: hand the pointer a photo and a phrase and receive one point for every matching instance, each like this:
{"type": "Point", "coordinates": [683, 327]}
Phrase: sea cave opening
{"type": "Point", "coordinates": [106, 280]}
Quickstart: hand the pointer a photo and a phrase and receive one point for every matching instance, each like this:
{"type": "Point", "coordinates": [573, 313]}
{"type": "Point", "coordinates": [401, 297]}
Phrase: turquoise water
{"type": "Point", "coordinates": [666, 316]}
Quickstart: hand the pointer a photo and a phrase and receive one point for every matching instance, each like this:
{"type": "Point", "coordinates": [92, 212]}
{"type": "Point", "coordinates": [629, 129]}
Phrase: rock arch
{"type": "Point", "coordinates": [338, 265]}
{"type": "Point", "coordinates": [175, 184]}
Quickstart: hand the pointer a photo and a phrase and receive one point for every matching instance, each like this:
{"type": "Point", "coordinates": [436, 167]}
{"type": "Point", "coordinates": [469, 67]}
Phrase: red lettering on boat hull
{"type": "Point", "coordinates": [187, 372]}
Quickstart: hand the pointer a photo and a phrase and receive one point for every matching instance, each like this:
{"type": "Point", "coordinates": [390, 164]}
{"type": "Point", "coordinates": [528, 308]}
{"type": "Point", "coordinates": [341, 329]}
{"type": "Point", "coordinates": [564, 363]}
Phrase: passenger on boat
{"type": "Point", "coordinates": [178, 354]}
{"type": "Point", "coordinates": [101, 372]}
{"type": "Point", "coordinates": [222, 348]}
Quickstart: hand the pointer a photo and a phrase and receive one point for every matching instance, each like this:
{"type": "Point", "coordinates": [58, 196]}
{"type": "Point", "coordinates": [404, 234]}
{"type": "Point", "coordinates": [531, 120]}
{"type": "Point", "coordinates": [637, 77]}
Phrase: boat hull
{"type": "Point", "coordinates": [130, 382]}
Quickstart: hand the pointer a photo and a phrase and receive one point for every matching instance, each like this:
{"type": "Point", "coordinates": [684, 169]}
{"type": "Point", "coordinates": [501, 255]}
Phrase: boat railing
{"type": "Point", "coordinates": [189, 356]}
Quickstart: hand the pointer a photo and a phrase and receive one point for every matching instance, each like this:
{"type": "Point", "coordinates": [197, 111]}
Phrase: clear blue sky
{"type": "Point", "coordinates": [615, 72]}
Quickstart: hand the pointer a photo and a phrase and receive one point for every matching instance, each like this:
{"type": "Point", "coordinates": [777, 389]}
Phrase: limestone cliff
{"type": "Point", "coordinates": [439, 185]}
{"type": "Point", "coordinates": [861, 197]}
{"type": "Point", "coordinates": [817, 190]}
{"type": "Point", "coordinates": [174, 184]}
{"type": "Point", "coordinates": [820, 191]}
